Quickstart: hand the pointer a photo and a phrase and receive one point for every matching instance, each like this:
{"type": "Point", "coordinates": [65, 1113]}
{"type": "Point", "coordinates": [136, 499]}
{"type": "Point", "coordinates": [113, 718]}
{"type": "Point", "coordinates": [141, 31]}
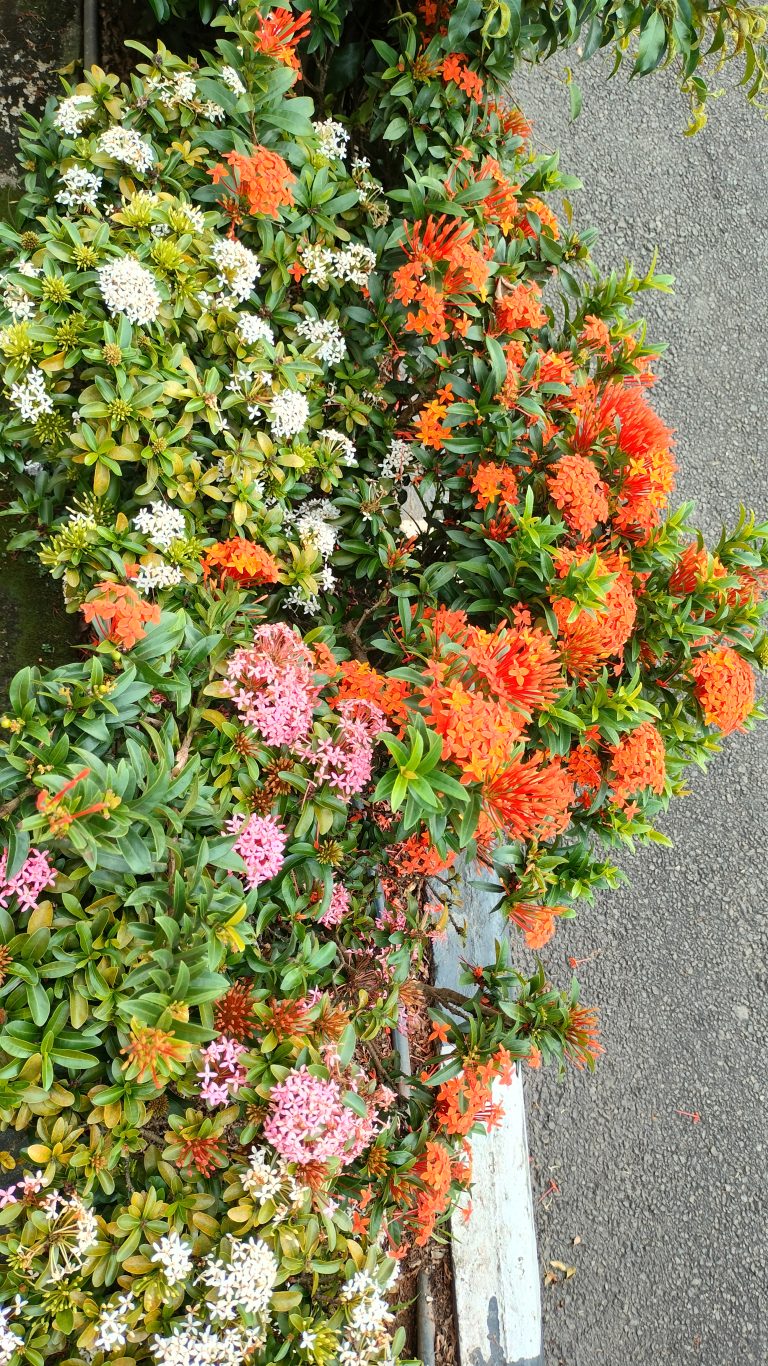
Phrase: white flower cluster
{"type": "Point", "coordinates": [288, 415]}
{"type": "Point", "coordinates": [231, 79]}
{"type": "Point", "coordinates": [29, 269]}
{"type": "Point", "coordinates": [238, 268]}
{"type": "Point", "coordinates": [153, 576]}
{"type": "Point", "coordinates": [399, 462]}
{"type": "Point", "coordinates": [251, 329]}
{"type": "Point", "coordinates": [326, 336]}
{"type": "Point", "coordinates": [269, 1178]}
{"type": "Point", "coordinates": [125, 145]}
{"type": "Point", "coordinates": [214, 112]}
{"type": "Point", "coordinates": [197, 1344]}
{"type": "Point", "coordinates": [73, 1232]}
{"type": "Point", "coordinates": [174, 1255]}
{"type": "Point", "coordinates": [160, 524]}
{"type": "Point", "coordinates": [317, 525]}
{"type": "Point", "coordinates": [187, 218]}
{"type": "Point", "coordinates": [30, 396]}
{"type": "Point", "coordinates": [9, 1343]}
{"type": "Point", "coordinates": [73, 114]}
{"type": "Point", "coordinates": [352, 263]}
{"type": "Point", "coordinates": [113, 1330]}
{"type": "Point", "coordinates": [340, 445]}
{"type": "Point", "coordinates": [332, 139]}
{"type": "Point", "coordinates": [244, 1283]}
{"type": "Point", "coordinates": [80, 188]}
{"type": "Point", "coordinates": [18, 302]}
{"type": "Point", "coordinates": [369, 1317]}
{"type": "Point", "coordinates": [128, 287]}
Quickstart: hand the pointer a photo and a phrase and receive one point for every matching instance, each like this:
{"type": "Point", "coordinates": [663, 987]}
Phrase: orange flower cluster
{"type": "Point", "coordinates": [586, 769]}
{"type": "Point", "coordinates": [477, 731]}
{"type": "Point", "coordinates": [724, 686]}
{"type": "Point", "coordinates": [591, 640]}
{"type": "Point", "coordinates": [536, 922]}
{"type": "Point", "coordinates": [582, 1045]}
{"type": "Point", "coordinates": [544, 214]}
{"type": "Point", "coordinates": [501, 205]}
{"type": "Point", "coordinates": [429, 422]}
{"type": "Point", "coordinates": [442, 271]}
{"type": "Point", "coordinates": [119, 613]}
{"type": "Point", "coordinates": [596, 334]}
{"type": "Point", "coordinates": [520, 666]}
{"type": "Point", "coordinates": [648, 477]}
{"type": "Point", "coordinates": [638, 763]}
{"type": "Point", "coordinates": [239, 560]}
{"type": "Point", "coordinates": [456, 68]}
{"type": "Point", "coordinates": [417, 856]}
{"type": "Point", "coordinates": [494, 484]}
{"type": "Point", "coordinates": [577, 490]}
{"type": "Point", "coordinates": [529, 798]}
{"type": "Point", "coordinates": [519, 307]}
{"type": "Point", "coordinates": [360, 680]}
{"type": "Point", "coordinates": [279, 34]}
{"type": "Point", "coordinates": [435, 1170]}
{"type": "Point", "coordinates": [466, 1100]}
{"type": "Point", "coordinates": [262, 180]}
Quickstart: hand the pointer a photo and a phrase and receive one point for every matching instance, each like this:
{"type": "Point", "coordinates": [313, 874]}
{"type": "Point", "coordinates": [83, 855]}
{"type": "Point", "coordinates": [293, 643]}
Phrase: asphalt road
{"type": "Point", "coordinates": [664, 1217]}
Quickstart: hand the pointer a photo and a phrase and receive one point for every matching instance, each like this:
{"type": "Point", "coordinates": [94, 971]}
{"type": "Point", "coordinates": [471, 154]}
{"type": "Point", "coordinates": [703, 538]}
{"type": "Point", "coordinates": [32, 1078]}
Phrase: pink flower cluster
{"type": "Point", "coordinates": [338, 906]}
{"type": "Point", "coordinates": [22, 1190]}
{"type": "Point", "coordinates": [346, 763]}
{"type": "Point", "coordinates": [309, 1122]}
{"type": "Point", "coordinates": [222, 1074]}
{"type": "Point", "coordinates": [35, 874]}
{"type": "Point", "coordinates": [270, 683]}
{"type": "Point", "coordinates": [260, 844]}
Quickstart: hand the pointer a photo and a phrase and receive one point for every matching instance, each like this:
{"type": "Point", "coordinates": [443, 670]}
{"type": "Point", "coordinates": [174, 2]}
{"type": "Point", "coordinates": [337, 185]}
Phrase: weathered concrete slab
{"type": "Point", "coordinates": [495, 1262]}
{"type": "Point", "coordinates": [37, 38]}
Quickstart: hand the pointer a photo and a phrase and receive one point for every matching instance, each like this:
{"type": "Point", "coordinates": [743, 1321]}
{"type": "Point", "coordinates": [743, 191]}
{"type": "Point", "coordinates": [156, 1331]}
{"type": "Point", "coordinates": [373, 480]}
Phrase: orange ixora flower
{"type": "Point", "coordinates": [429, 422]}
{"type": "Point", "coordinates": [536, 922]}
{"type": "Point", "coordinates": [442, 269]}
{"type": "Point", "coordinates": [119, 613]}
{"type": "Point", "coordinates": [694, 568]}
{"type": "Point", "coordinates": [648, 476]}
{"type": "Point", "coordinates": [477, 731]}
{"type": "Point", "coordinates": [576, 488]}
{"type": "Point", "coordinates": [154, 1053]}
{"type": "Point", "coordinates": [262, 180]}
{"type": "Point", "coordinates": [596, 334]}
{"type": "Point", "coordinates": [519, 307]}
{"type": "Point", "coordinates": [279, 34]}
{"type": "Point", "coordinates": [544, 214]}
{"type": "Point", "coordinates": [581, 1041]}
{"type": "Point", "coordinates": [724, 686]}
{"type": "Point", "coordinates": [529, 798]}
{"type": "Point", "coordinates": [592, 638]}
{"type": "Point", "coordinates": [494, 484]}
{"type": "Point", "coordinates": [240, 560]}
{"type": "Point", "coordinates": [638, 764]}
{"type": "Point", "coordinates": [360, 680]}
{"type": "Point", "coordinates": [500, 204]}
{"type": "Point", "coordinates": [456, 68]}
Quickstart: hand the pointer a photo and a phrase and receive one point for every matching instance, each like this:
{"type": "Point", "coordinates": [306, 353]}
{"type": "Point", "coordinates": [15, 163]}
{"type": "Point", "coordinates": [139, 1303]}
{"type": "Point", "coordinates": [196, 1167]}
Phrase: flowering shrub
{"type": "Point", "coordinates": [351, 471]}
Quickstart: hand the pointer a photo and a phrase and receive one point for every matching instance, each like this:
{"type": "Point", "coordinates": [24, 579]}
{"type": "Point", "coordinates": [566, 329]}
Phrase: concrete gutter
{"type": "Point", "coordinates": [495, 1260]}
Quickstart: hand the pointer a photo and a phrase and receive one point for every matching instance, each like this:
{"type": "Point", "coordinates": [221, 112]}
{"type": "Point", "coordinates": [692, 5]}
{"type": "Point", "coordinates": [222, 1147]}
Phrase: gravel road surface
{"type": "Point", "coordinates": [663, 1217]}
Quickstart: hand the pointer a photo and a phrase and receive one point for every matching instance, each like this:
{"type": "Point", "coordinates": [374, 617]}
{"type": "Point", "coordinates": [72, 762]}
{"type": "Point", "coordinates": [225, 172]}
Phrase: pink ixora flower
{"type": "Point", "coordinates": [309, 1122]}
{"type": "Point", "coordinates": [271, 684]}
{"type": "Point", "coordinates": [346, 762]}
{"type": "Point", "coordinates": [338, 906]}
{"type": "Point", "coordinates": [35, 874]}
{"type": "Point", "coordinates": [222, 1074]}
{"type": "Point", "coordinates": [260, 844]}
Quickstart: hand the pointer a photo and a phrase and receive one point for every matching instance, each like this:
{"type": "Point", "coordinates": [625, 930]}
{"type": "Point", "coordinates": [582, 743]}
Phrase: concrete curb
{"type": "Point", "coordinates": [495, 1259]}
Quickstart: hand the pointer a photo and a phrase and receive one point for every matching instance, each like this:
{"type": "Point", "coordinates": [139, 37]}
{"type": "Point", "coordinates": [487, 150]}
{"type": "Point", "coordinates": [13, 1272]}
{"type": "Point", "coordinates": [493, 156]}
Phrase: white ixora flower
{"type": "Point", "coordinates": [174, 1255]}
{"type": "Point", "coordinates": [18, 303]}
{"type": "Point", "coordinates": [153, 576]}
{"type": "Point", "coordinates": [355, 263]}
{"type": "Point", "coordinates": [332, 139]}
{"type": "Point", "coordinates": [9, 1343]}
{"type": "Point", "coordinates": [73, 114]}
{"type": "Point", "coordinates": [213, 111]}
{"type": "Point", "coordinates": [317, 525]}
{"type": "Point", "coordinates": [128, 287]}
{"type": "Point", "coordinates": [30, 396]}
{"type": "Point", "coordinates": [160, 524]}
{"type": "Point", "coordinates": [326, 336]}
{"type": "Point", "coordinates": [289, 414]}
{"type": "Point", "coordinates": [244, 1283]}
{"type": "Point", "coordinates": [251, 329]}
{"type": "Point", "coordinates": [399, 462]}
{"type": "Point", "coordinates": [125, 145]}
{"type": "Point", "coordinates": [231, 78]}
{"type": "Point", "coordinates": [238, 268]}
{"type": "Point", "coordinates": [340, 444]}
{"type": "Point", "coordinates": [80, 188]}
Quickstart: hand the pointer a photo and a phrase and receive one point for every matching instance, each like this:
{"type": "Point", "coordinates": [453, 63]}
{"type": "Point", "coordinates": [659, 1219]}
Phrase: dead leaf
{"type": "Point", "coordinates": [577, 1240]}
